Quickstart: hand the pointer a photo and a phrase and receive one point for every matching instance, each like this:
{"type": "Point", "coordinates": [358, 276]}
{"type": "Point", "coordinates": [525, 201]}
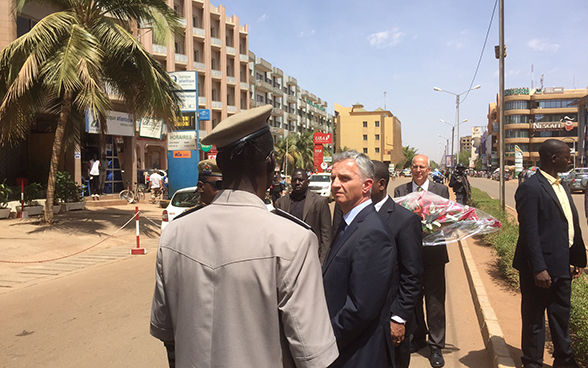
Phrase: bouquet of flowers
{"type": "Point", "coordinates": [445, 221]}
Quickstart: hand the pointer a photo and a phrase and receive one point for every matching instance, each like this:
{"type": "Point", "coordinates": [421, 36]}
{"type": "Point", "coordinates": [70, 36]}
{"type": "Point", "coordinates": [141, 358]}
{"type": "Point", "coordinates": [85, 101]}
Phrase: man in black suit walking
{"type": "Point", "coordinates": [550, 253]}
{"type": "Point", "coordinates": [404, 227]}
{"type": "Point", "coordinates": [433, 282]}
{"type": "Point", "coordinates": [358, 270]}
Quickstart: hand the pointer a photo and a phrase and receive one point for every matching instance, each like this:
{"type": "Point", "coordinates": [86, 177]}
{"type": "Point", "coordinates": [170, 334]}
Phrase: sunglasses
{"type": "Point", "coordinates": [218, 184]}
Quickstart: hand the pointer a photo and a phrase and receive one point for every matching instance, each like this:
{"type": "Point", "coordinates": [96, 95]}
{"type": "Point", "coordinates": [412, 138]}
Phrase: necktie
{"type": "Point", "coordinates": [419, 189]}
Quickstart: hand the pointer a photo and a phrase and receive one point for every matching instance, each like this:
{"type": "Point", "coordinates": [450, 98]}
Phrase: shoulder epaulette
{"type": "Point", "coordinates": [189, 211]}
{"type": "Point", "coordinates": [295, 219]}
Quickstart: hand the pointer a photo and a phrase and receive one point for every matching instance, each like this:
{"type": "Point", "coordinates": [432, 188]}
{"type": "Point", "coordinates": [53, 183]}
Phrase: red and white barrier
{"type": "Point", "coordinates": [138, 250]}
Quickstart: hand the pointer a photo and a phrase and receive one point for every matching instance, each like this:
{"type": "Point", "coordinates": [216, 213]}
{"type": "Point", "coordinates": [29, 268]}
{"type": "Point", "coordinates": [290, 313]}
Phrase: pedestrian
{"type": "Point", "coordinates": [236, 285]}
{"type": "Point", "coordinates": [95, 177]}
{"type": "Point", "coordinates": [310, 208]}
{"type": "Point", "coordinates": [210, 181]}
{"type": "Point", "coordinates": [358, 269]}
{"type": "Point", "coordinates": [433, 281]}
{"type": "Point", "coordinates": [276, 188]}
{"type": "Point", "coordinates": [460, 184]}
{"type": "Point", "coordinates": [404, 227]}
{"type": "Point", "coordinates": [155, 185]}
{"type": "Point", "coordinates": [102, 170]}
{"type": "Point", "coordinates": [550, 253]}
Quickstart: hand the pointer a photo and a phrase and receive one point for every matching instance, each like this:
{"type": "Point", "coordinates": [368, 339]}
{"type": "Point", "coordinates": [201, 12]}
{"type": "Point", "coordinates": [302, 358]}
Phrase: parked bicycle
{"type": "Point", "coordinates": [132, 196]}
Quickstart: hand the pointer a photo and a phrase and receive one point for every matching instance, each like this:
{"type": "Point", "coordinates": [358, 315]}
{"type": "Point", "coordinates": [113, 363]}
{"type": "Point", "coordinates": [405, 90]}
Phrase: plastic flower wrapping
{"type": "Point", "coordinates": [445, 221]}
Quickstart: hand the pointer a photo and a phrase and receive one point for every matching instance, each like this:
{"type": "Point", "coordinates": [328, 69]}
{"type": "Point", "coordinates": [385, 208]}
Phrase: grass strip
{"type": "Point", "coordinates": [504, 242]}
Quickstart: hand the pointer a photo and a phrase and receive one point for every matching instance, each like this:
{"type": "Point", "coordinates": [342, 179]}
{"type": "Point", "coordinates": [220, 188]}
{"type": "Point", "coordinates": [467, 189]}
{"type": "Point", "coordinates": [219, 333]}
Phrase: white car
{"type": "Point", "coordinates": [182, 200]}
{"type": "Point", "coordinates": [321, 185]}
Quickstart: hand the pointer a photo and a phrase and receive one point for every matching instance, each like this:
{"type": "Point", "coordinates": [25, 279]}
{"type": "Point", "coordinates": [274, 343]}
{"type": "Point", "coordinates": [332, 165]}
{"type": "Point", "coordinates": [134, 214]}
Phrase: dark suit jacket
{"type": "Point", "coordinates": [436, 255]}
{"type": "Point", "coordinates": [404, 227]}
{"type": "Point", "coordinates": [317, 214]}
{"type": "Point", "coordinates": [357, 275]}
{"type": "Point", "coordinates": [543, 230]}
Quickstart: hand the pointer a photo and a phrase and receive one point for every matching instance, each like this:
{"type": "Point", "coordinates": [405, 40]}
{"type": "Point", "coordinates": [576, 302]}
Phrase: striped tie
{"type": "Point", "coordinates": [419, 189]}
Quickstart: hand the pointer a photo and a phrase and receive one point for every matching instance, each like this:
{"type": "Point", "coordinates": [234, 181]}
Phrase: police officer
{"type": "Point", "coordinates": [460, 184]}
{"type": "Point", "coordinates": [237, 285]}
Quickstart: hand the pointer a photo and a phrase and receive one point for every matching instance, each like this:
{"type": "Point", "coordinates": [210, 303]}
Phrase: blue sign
{"type": "Point", "coordinates": [204, 114]}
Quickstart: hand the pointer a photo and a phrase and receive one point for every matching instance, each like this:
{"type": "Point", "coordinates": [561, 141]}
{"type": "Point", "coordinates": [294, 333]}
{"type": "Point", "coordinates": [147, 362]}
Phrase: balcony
{"type": "Point", "coordinates": [232, 109]}
{"type": "Point", "coordinates": [292, 117]}
{"type": "Point", "coordinates": [181, 58]}
{"type": "Point", "coordinates": [243, 58]}
{"type": "Point", "coordinates": [276, 91]}
{"type": "Point", "coordinates": [159, 49]}
{"type": "Point", "coordinates": [263, 85]}
{"type": "Point", "coordinates": [198, 32]}
{"type": "Point", "coordinates": [291, 80]}
{"type": "Point", "coordinates": [216, 74]}
{"type": "Point", "coordinates": [291, 99]}
{"type": "Point", "coordinates": [304, 93]}
{"type": "Point", "coordinates": [244, 85]}
{"type": "Point", "coordinates": [232, 80]}
{"type": "Point", "coordinates": [217, 105]}
{"type": "Point", "coordinates": [201, 100]}
{"type": "Point", "coordinates": [258, 103]}
{"type": "Point", "coordinates": [231, 51]}
{"type": "Point", "coordinates": [277, 71]}
{"type": "Point", "coordinates": [312, 97]}
{"type": "Point", "coordinates": [216, 42]}
{"type": "Point", "coordinates": [199, 66]}
{"type": "Point", "coordinates": [277, 112]}
{"type": "Point", "coordinates": [262, 64]}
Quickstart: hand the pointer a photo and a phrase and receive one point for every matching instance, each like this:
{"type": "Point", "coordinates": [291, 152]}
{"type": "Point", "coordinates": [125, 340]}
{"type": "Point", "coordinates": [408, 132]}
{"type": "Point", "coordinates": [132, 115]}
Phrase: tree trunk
{"type": "Point", "coordinates": [57, 144]}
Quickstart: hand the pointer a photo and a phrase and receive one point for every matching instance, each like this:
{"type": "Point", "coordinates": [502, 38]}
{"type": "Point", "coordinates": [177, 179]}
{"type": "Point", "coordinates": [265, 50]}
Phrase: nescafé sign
{"type": "Point", "coordinates": [547, 127]}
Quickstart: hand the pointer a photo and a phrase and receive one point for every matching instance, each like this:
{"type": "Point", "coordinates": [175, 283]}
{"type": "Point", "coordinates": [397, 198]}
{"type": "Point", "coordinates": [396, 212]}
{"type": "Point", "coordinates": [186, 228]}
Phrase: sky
{"type": "Point", "coordinates": [353, 51]}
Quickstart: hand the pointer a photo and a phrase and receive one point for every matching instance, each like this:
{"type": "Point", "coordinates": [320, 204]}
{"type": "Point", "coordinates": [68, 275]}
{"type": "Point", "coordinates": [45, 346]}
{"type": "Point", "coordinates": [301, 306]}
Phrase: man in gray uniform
{"type": "Point", "coordinates": [236, 285]}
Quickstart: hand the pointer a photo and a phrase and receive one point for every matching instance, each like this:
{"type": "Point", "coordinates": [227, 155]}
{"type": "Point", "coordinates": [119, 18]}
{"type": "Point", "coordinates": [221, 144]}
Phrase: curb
{"type": "Point", "coordinates": [490, 328]}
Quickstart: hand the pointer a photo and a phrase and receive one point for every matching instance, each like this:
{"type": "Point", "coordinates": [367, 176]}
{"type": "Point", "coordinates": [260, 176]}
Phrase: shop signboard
{"type": "Point", "coordinates": [186, 80]}
{"type": "Point", "coordinates": [186, 122]}
{"type": "Point", "coordinates": [448, 161]}
{"type": "Point", "coordinates": [518, 160]}
{"type": "Point", "coordinates": [150, 128]}
{"type": "Point", "coordinates": [204, 114]}
{"type": "Point", "coordinates": [323, 138]}
{"type": "Point", "coordinates": [189, 101]}
{"type": "Point", "coordinates": [117, 123]}
{"type": "Point", "coordinates": [181, 140]}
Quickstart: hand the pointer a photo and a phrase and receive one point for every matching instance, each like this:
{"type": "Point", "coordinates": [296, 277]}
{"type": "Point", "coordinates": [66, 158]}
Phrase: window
{"type": "Point", "coordinates": [365, 151]}
{"type": "Point", "coordinates": [365, 137]}
{"type": "Point", "coordinates": [365, 124]}
{"type": "Point", "coordinates": [377, 124]}
{"type": "Point", "coordinates": [377, 150]}
{"type": "Point", "coordinates": [377, 137]}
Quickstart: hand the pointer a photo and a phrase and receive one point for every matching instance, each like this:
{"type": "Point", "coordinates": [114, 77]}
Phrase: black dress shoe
{"type": "Point", "coordinates": [436, 358]}
{"type": "Point", "coordinates": [416, 345]}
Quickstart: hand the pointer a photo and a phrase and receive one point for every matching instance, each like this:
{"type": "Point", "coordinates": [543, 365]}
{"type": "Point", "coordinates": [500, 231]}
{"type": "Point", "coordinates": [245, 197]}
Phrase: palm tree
{"type": "Point", "coordinates": [409, 153]}
{"type": "Point", "coordinates": [343, 149]}
{"type": "Point", "coordinates": [72, 59]}
{"type": "Point", "coordinates": [287, 152]}
{"type": "Point", "coordinates": [305, 147]}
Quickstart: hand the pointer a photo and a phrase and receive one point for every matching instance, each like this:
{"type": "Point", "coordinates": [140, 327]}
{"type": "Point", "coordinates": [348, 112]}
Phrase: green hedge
{"type": "Point", "coordinates": [504, 242]}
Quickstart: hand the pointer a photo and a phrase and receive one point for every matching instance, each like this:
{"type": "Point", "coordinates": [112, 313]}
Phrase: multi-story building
{"type": "Point", "coordinates": [230, 79]}
{"type": "Point", "coordinates": [376, 133]}
{"type": "Point", "coordinates": [533, 116]}
{"type": "Point", "coordinates": [295, 109]}
{"type": "Point", "coordinates": [465, 143]}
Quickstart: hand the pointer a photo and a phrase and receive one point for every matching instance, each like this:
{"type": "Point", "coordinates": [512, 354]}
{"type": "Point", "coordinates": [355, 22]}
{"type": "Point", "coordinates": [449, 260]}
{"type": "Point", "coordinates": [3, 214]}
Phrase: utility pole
{"type": "Point", "coordinates": [501, 54]}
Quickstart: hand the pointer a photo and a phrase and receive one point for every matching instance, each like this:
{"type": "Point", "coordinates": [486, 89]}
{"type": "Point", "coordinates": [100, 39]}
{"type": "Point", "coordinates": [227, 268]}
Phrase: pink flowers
{"type": "Point", "coordinates": [445, 221]}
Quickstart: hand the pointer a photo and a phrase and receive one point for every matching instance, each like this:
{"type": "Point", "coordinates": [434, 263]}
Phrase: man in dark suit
{"type": "Point", "coordinates": [358, 270]}
{"type": "Point", "coordinates": [433, 282]}
{"type": "Point", "coordinates": [550, 253]}
{"type": "Point", "coordinates": [310, 208]}
{"type": "Point", "coordinates": [404, 227]}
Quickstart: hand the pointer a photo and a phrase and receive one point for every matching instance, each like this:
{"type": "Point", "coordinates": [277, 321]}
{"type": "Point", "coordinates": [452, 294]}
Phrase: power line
{"type": "Point", "coordinates": [482, 53]}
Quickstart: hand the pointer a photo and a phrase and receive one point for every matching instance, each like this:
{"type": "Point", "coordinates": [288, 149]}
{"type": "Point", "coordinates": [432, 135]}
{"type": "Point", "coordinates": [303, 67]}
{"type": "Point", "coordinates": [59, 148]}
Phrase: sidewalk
{"type": "Point", "coordinates": [79, 239]}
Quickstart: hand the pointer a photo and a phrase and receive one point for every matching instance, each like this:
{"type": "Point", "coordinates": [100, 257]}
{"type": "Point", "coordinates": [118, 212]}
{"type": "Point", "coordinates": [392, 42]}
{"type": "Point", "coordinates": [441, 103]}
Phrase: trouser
{"type": "Point", "coordinates": [155, 193]}
{"type": "Point", "coordinates": [102, 181]}
{"type": "Point", "coordinates": [433, 291]}
{"type": "Point", "coordinates": [461, 198]}
{"type": "Point", "coordinates": [94, 184]}
{"type": "Point", "coordinates": [535, 300]}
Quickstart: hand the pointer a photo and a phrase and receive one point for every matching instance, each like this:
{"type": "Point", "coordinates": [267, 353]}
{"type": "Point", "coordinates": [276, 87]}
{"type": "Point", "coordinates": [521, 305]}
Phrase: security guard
{"type": "Point", "coordinates": [237, 285]}
{"type": "Point", "coordinates": [210, 181]}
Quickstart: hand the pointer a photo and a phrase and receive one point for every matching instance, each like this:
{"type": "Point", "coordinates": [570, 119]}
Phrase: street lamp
{"type": "Point", "coordinates": [457, 96]}
{"type": "Point", "coordinates": [453, 133]}
{"type": "Point", "coordinates": [446, 146]}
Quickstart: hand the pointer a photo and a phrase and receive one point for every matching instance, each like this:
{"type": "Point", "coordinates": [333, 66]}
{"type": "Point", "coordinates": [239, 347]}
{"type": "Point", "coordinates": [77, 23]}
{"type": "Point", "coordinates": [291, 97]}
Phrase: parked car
{"type": "Point", "coordinates": [182, 200]}
{"type": "Point", "coordinates": [321, 185]}
{"type": "Point", "coordinates": [406, 173]}
{"type": "Point", "coordinates": [577, 179]}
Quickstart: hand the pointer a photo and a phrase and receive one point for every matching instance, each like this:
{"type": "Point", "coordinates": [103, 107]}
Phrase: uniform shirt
{"type": "Point", "coordinates": [564, 201]}
{"type": "Point", "coordinates": [236, 286]}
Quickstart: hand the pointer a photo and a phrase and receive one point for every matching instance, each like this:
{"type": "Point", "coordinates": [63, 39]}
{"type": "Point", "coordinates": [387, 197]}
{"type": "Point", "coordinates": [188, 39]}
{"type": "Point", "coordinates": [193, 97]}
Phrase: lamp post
{"type": "Point", "coordinates": [446, 146]}
{"type": "Point", "coordinates": [457, 96]}
{"type": "Point", "coordinates": [453, 135]}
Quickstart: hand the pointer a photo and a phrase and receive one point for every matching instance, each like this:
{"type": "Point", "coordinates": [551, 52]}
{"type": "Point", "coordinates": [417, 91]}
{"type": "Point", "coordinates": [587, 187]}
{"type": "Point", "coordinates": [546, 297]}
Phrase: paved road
{"type": "Point", "coordinates": [99, 317]}
{"type": "Point", "coordinates": [493, 189]}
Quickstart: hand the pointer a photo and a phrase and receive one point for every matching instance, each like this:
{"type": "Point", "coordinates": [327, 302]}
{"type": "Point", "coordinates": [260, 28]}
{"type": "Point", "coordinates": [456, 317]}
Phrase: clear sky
{"type": "Point", "coordinates": [353, 51]}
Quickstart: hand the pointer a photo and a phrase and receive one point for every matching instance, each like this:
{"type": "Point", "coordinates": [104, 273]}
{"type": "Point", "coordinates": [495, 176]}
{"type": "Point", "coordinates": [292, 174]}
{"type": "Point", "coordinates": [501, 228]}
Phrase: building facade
{"type": "Point", "coordinates": [533, 116]}
{"type": "Point", "coordinates": [465, 143]}
{"type": "Point", "coordinates": [376, 133]}
{"type": "Point", "coordinates": [230, 79]}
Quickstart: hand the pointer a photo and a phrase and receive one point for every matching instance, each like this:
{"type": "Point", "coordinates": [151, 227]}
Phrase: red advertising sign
{"type": "Point", "coordinates": [323, 138]}
{"type": "Point", "coordinates": [318, 157]}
